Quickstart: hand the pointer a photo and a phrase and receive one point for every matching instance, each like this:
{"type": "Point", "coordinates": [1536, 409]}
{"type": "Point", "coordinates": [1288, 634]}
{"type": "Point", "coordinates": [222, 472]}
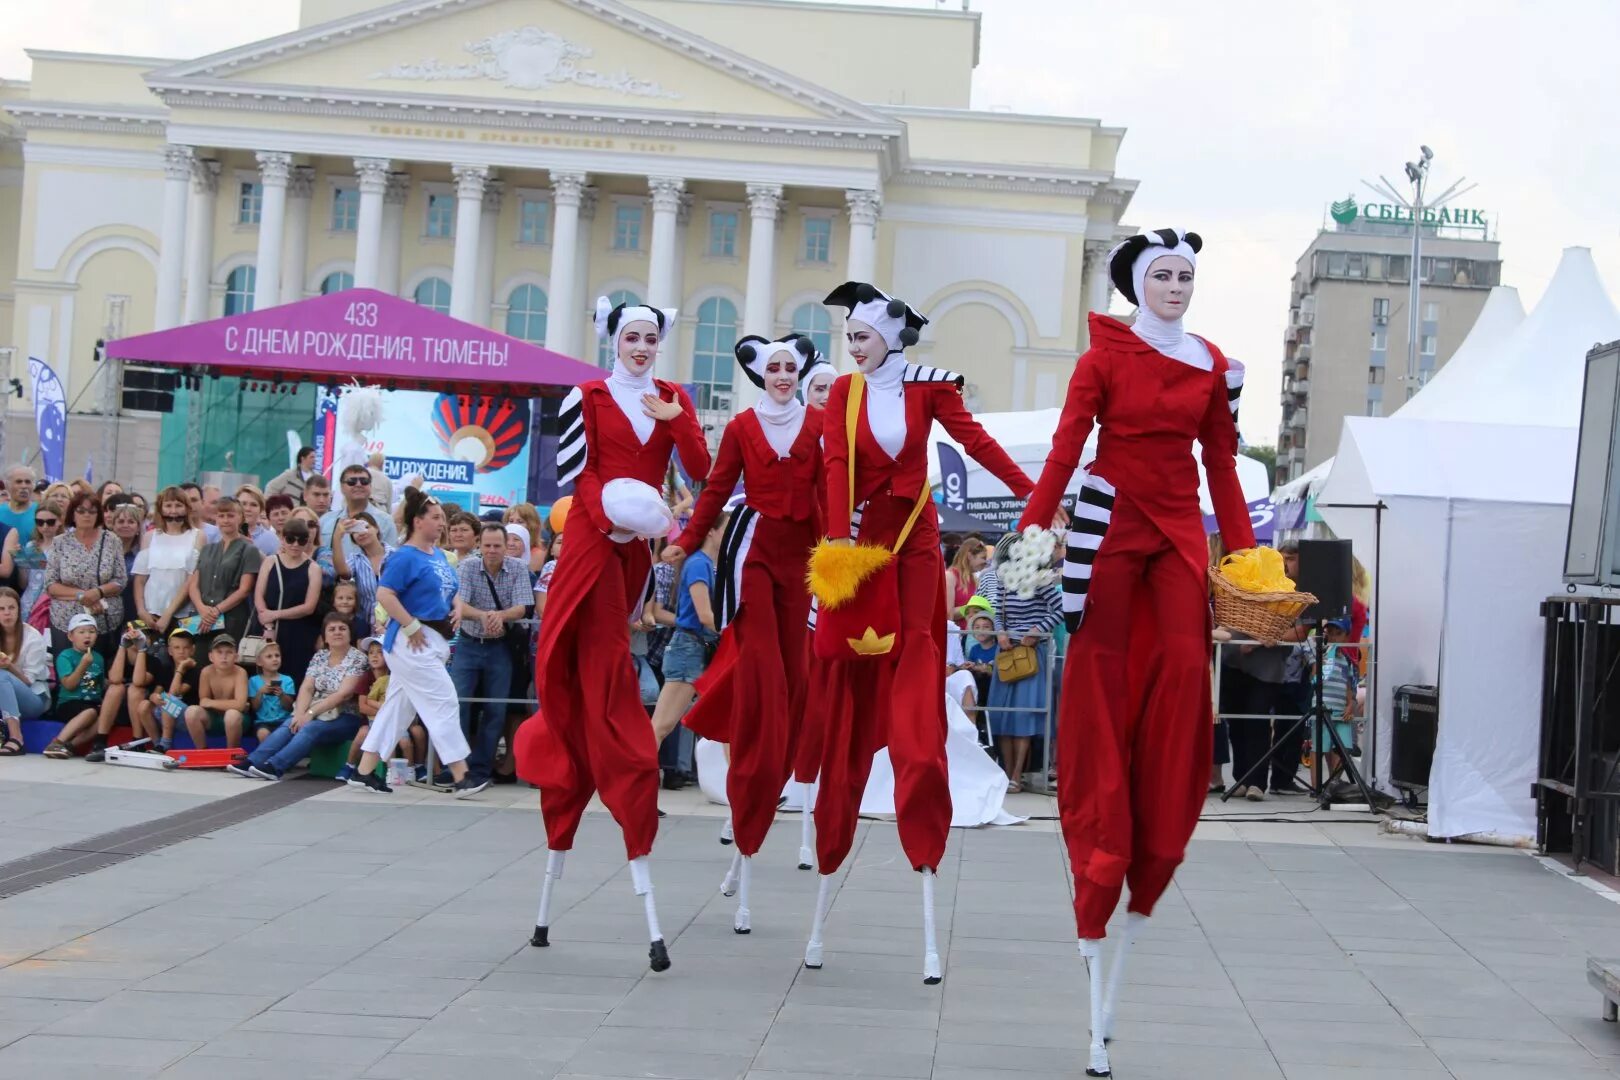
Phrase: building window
{"type": "Point", "coordinates": [815, 322]}
{"type": "Point", "coordinates": [434, 293]}
{"type": "Point", "coordinates": [1380, 339]}
{"type": "Point", "coordinates": [534, 222]}
{"type": "Point", "coordinates": [1431, 312]}
{"type": "Point", "coordinates": [604, 351]}
{"type": "Point", "coordinates": [249, 203]}
{"type": "Point", "coordinates": [1381, 310]}
{"type": "Point", "coordinates": [1397, 267]}
{"type": "Point", "coordinates": [626, 228]}
{"type": "Point", "coordinates": [723, 233]}
{"type": "Point", "coordinates": [712, 359]}
{"type": "Point", "coordinates": [336, 282]}
{"type": "Point", "coordinates": [441, 215]}
{"type": "Point", "coordinates": [345, 209]}
{"type": "Point", "coordinates": [239, 290]}
{"type": "Point", "coordinates": [817, 240]}
{"type": "Point", "coordinates": [1375, 375]}
{"type": "Point", "coordinates": [1356, 265]}
{"type": "Point", "coordinates": [1375, 406]}
{"type": "Point", "coordinates": [1430, 344]}
{"type": "Point", "coordinates": [1337, 264]}
{"type": "Point", "coordinates": [526, 314]}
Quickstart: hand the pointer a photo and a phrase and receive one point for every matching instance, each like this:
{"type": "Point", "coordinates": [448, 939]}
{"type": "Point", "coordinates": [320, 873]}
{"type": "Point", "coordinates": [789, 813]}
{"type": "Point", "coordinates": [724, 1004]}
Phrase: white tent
{"type": "Point", "coordinates": [1476, 507]}
{"type": "Point", "coordinates": [1454, 386]}
{"type": "Point", "coordinates": [1027, 438]}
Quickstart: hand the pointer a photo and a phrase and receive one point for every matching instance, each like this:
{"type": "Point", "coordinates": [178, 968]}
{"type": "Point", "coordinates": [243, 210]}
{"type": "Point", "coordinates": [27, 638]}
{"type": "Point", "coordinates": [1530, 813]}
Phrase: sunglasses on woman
{"type": "Point", "coordinates": [47, 522]}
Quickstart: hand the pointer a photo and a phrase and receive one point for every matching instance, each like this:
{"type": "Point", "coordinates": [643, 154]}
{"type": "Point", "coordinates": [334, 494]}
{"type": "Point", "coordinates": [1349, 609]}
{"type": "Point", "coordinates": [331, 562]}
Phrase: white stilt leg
{"type": "Point", "coordinates": [742, 924]}
{"type": "Point", "coordinates": [807, 828]}
{"type": "Point", "coordinates": [542, 921]}
{"type": "Point", "coordinates": [931, 972]}
{"type": "Point", "coordinates": [726, 835]}
{"type": "Point", "coordinates": [812, 951]}
{"type": "Point", "coordinates": [1097, 1063]}
{"type": "Point", "coordinates": [1116, 971]}
{"type": "Point", "coordinates": [641, 881]}
{"type": "Point", "coordinates": [728, 884]}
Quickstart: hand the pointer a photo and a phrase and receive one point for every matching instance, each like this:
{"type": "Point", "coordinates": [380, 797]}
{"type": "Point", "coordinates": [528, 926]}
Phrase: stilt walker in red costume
{"type": "Point", "coordinates": [881, 617]}
{"type": "Point", "coordinates": [753, 694]}
{"type": "Point", "coordinates": [1136, 736]}
{"type": "Point", "coordinates": [591, 732]}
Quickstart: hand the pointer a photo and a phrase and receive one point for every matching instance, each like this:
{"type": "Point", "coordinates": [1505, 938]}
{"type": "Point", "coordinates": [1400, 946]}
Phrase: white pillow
{"type": "Point", "coordinates": [636, 510]}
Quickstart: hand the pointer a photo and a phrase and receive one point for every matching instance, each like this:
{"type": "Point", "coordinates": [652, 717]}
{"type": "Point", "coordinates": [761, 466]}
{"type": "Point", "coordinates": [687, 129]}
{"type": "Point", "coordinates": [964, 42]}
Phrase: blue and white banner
{"type": "Point", "coordinates": [50, 417]}
{"type": "Point", "coordinates": [952, 476]}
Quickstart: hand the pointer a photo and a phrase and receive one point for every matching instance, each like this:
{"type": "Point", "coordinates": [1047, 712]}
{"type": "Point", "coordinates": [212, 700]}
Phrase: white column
{"type": "Point", "coordinates": [585, 295]}
{"type": "Point", "coordinates": [759, 305]}
{"type": "Point", "coordinates": [488, 239]}
{"type": "Point", "coordinates": [393, 231]}
{"type": "Point", "coordinates": [200, 238]}
{"type": "Point", "coordinates": [373, 174]}
{"type": "Point", "coordinates": [300, 192]}
{"type": "Point", "coordinates": [563, 302]}
{"type": "Point", "coordinates": [666, 206]}
{"type": "Point", "coordinates": [674, 359]}
{"type": "Point", "coordinates": [1097, 284]}
{"type": "Point", "coordinates": [864, 207]}
{"type": "Point", "coordinates": [274, 169]}
{"type": "Point", "coordinates": [172, 241]}
{"type": "Point", "coordinates": [470, 180]}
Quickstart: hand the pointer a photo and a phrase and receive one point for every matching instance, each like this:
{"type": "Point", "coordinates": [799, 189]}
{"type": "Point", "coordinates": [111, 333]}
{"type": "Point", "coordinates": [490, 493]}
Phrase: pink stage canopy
{"type": "Point", "coordinates": [361, 334]}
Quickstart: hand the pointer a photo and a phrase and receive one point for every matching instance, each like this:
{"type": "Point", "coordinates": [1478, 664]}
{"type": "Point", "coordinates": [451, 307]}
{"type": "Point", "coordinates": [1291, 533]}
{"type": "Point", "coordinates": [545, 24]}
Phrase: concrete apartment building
{"type": "Point", "coordinates": [1345, 348]}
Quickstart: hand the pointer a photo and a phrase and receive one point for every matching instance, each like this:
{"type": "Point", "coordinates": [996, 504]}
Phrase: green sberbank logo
{"type": "Point", "coordinates": [1344, 211]}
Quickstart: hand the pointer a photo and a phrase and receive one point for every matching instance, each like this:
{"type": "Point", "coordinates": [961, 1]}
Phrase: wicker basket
{"type": "Point", "coordinates": [1263, 616]}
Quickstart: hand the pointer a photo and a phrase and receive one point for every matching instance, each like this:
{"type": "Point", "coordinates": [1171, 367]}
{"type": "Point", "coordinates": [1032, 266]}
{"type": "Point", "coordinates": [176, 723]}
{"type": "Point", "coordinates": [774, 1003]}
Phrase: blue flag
{"type": "Point", "coordinates": [952, 476]}
{"type": "Point", "coordinates": [50, 417]}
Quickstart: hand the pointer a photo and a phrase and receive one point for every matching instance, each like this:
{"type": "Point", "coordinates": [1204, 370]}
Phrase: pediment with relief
{"type": "Point", "coordinates": [575, 52]}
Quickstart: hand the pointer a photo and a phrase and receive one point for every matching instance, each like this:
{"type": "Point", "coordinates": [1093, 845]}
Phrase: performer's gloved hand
{"type": "Point", "coordinates": [672, 554]}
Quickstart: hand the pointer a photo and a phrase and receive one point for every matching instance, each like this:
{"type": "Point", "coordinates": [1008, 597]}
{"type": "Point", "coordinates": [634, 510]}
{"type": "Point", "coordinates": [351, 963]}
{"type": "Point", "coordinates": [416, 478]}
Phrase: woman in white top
{"type": "Point", "coordinates": [24, 668]}
{"type": "Point", "coordinates": [166, 560]}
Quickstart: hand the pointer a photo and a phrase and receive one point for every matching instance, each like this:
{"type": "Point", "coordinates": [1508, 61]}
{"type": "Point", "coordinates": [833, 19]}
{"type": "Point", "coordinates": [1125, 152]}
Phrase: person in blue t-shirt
{"type": "Point", "coordinates": [270, 693]}
{"type": "Point", "coordinates": [417, 589]}
{"type": "Point", "coordinates": [688, 651]}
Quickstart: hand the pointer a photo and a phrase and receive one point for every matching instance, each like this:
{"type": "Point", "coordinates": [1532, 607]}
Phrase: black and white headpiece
{"type": "Point", "coordinates": [1129, 261]}
{"type": "Point", "coordinates": [898, 322]}
{"type": "Point", "coordinates": [754, 352]}
{"type": "Point", "coordinates": [610, 320]}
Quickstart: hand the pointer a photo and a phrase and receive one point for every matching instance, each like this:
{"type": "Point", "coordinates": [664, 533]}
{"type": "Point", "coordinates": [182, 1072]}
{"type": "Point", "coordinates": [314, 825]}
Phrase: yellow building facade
{"type": "Point", "coordinates": [507, 161]}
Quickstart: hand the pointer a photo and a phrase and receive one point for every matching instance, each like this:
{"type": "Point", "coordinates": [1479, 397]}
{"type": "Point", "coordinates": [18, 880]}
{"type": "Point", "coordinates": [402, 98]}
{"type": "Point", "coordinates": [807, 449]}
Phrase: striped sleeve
{"type": "Point", "coordinates": [571, 448]}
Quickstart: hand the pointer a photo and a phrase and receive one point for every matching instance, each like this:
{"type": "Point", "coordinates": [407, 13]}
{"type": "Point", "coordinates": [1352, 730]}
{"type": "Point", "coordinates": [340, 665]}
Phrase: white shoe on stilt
{"type": "Point", "coordinates": [1097, 1060]}
{"type": "Point", "coordinates": [807, 828]}
{"type": "Point", "coordinates": [812, 950]}
{"type": "Point", "coordinates": [641, 881]}
{"type": "Point", "coordinates": [741, 924]}
{"type": "Point", "coordinates": [542, 921]}
{"type": "Point", "coordinates": [931, 970]}
{"type": "Point", "coordinates": [1116, 971]}
{"type": "Point", "coordinates": [727, 837]}
{"type": "Point", "coordinates": [728, 884]}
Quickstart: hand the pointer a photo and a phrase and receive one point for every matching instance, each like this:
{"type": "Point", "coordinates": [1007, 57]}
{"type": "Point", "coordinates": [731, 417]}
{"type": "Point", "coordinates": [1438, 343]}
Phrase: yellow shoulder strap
{"type": "Point", "coordinates": [852, 417]}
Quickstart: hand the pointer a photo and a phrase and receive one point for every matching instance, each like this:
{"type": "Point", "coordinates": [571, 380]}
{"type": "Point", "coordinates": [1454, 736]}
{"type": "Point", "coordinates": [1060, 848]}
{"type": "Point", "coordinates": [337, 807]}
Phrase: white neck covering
{"type": "Point", "coordinates": [886, 404]}
{"type": "Point", "coordinates": [627, 389]}
{"type": "Point", "coordinates": [1166, 335]}
{"type": "Point", "coordinates": [781, 423]}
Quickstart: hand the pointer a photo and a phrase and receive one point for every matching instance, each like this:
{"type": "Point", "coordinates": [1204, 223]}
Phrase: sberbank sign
{"type": "Point", "coordinates": [1346, 211]}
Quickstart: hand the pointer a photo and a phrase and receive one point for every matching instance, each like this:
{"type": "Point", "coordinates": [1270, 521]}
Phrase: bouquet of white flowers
{"type": "Point", "coordinates": [1028, 567]}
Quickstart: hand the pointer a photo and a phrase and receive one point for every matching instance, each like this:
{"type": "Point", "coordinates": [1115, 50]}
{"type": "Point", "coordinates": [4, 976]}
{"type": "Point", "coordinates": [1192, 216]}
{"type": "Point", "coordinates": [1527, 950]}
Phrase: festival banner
{"type": "Point", "coordinates": [952, 476]}
{"type": "Point", "coordinates": [50, 417]}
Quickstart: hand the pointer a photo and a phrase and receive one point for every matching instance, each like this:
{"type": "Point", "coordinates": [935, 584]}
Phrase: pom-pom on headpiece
{"type": "Point", "coordinates": [754, 352]}
{"type": "Point", "coordinates": [1129, 261]}
{"type": "Point", "coordinates": [897, 321]}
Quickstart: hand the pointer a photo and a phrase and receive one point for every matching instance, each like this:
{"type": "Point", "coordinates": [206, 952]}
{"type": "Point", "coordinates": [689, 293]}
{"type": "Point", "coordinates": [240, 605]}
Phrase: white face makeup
{"type": "Point", "coordinates": [818, 390]}
{"type": "Point", "coordinates": [638, 346]}
{"type": "Point", "coordinates": [1168, 287]}
{"type": "Point", "coordinates": [866, 346]}
{"type": "Point", "coordinates": [782, 377]}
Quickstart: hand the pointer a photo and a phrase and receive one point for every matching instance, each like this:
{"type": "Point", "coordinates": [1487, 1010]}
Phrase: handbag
{"type": "Point", "coordinates": [857, 588]}
{"type": "Point", "coordinates": [1017, 664]}
{"type": "Point", "coordinates": [251, 645]}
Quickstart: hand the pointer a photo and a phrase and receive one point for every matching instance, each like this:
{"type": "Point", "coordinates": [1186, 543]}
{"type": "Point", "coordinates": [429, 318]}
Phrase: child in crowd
{"type": "Point", "coordinates": [371, 699]}
{"type": "Point", "coordinates": [222, 696]}
{"type": "Point", "coordinates": [270, 693]}
{"type": "Point", "coordinates": [83, 696]}
{"type": "Point", "coordinates": [1338, 693]}
{"type": "Point", "coordinates": [346, 602]}
{"type": "Point", "coordinates": [164, 688]}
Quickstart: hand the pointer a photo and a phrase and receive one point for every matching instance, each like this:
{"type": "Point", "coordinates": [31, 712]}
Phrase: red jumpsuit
{"type": "Point", "coordinates": [898, 700]}
{"type": "Point", "coordinates": [1135, 720]}
{"type": "Point", "coordinates": [591, 731]}
{"type": "Point", "coordinates": [753, 695]}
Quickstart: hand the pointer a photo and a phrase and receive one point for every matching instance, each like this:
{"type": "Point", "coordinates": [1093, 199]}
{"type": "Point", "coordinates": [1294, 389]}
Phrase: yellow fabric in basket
{"type": "Point", "coordinates": [1257, 570]}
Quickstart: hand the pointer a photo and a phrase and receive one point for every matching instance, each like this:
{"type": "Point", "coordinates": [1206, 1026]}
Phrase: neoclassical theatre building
{"type": "Point", "coordinates": [507, 161]}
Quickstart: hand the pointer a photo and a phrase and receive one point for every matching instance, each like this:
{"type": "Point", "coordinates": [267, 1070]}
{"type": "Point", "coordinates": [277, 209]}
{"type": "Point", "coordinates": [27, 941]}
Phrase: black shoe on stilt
{"type": "Point", "coordinates": [658, 955]}
{"type": "Point", "coordinates": [541, 938]}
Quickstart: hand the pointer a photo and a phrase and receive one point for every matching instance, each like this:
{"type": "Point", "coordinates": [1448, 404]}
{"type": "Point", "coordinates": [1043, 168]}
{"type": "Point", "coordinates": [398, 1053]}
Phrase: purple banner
{"type": "Point", "coordinates": [1262, 515]}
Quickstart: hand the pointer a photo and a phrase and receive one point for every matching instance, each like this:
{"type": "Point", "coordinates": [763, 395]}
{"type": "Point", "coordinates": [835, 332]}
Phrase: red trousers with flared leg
{"type": "Point", "coordinates": [763, 690]}
{"type": "Point", "coordinates": [1136, 731]}
{"type": "Point", "coordinates": [591, 732]}
{"type": "Point", "coordinates": [897, 700]}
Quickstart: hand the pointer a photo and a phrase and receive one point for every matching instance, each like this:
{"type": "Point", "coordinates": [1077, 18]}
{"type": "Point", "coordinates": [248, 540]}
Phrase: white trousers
{"type": "Point", "coordinates": [419, 682]}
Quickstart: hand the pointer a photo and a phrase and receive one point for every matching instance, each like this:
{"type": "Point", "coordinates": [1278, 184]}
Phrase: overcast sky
{"type": "Point", "coordinates": [1244, 118]}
